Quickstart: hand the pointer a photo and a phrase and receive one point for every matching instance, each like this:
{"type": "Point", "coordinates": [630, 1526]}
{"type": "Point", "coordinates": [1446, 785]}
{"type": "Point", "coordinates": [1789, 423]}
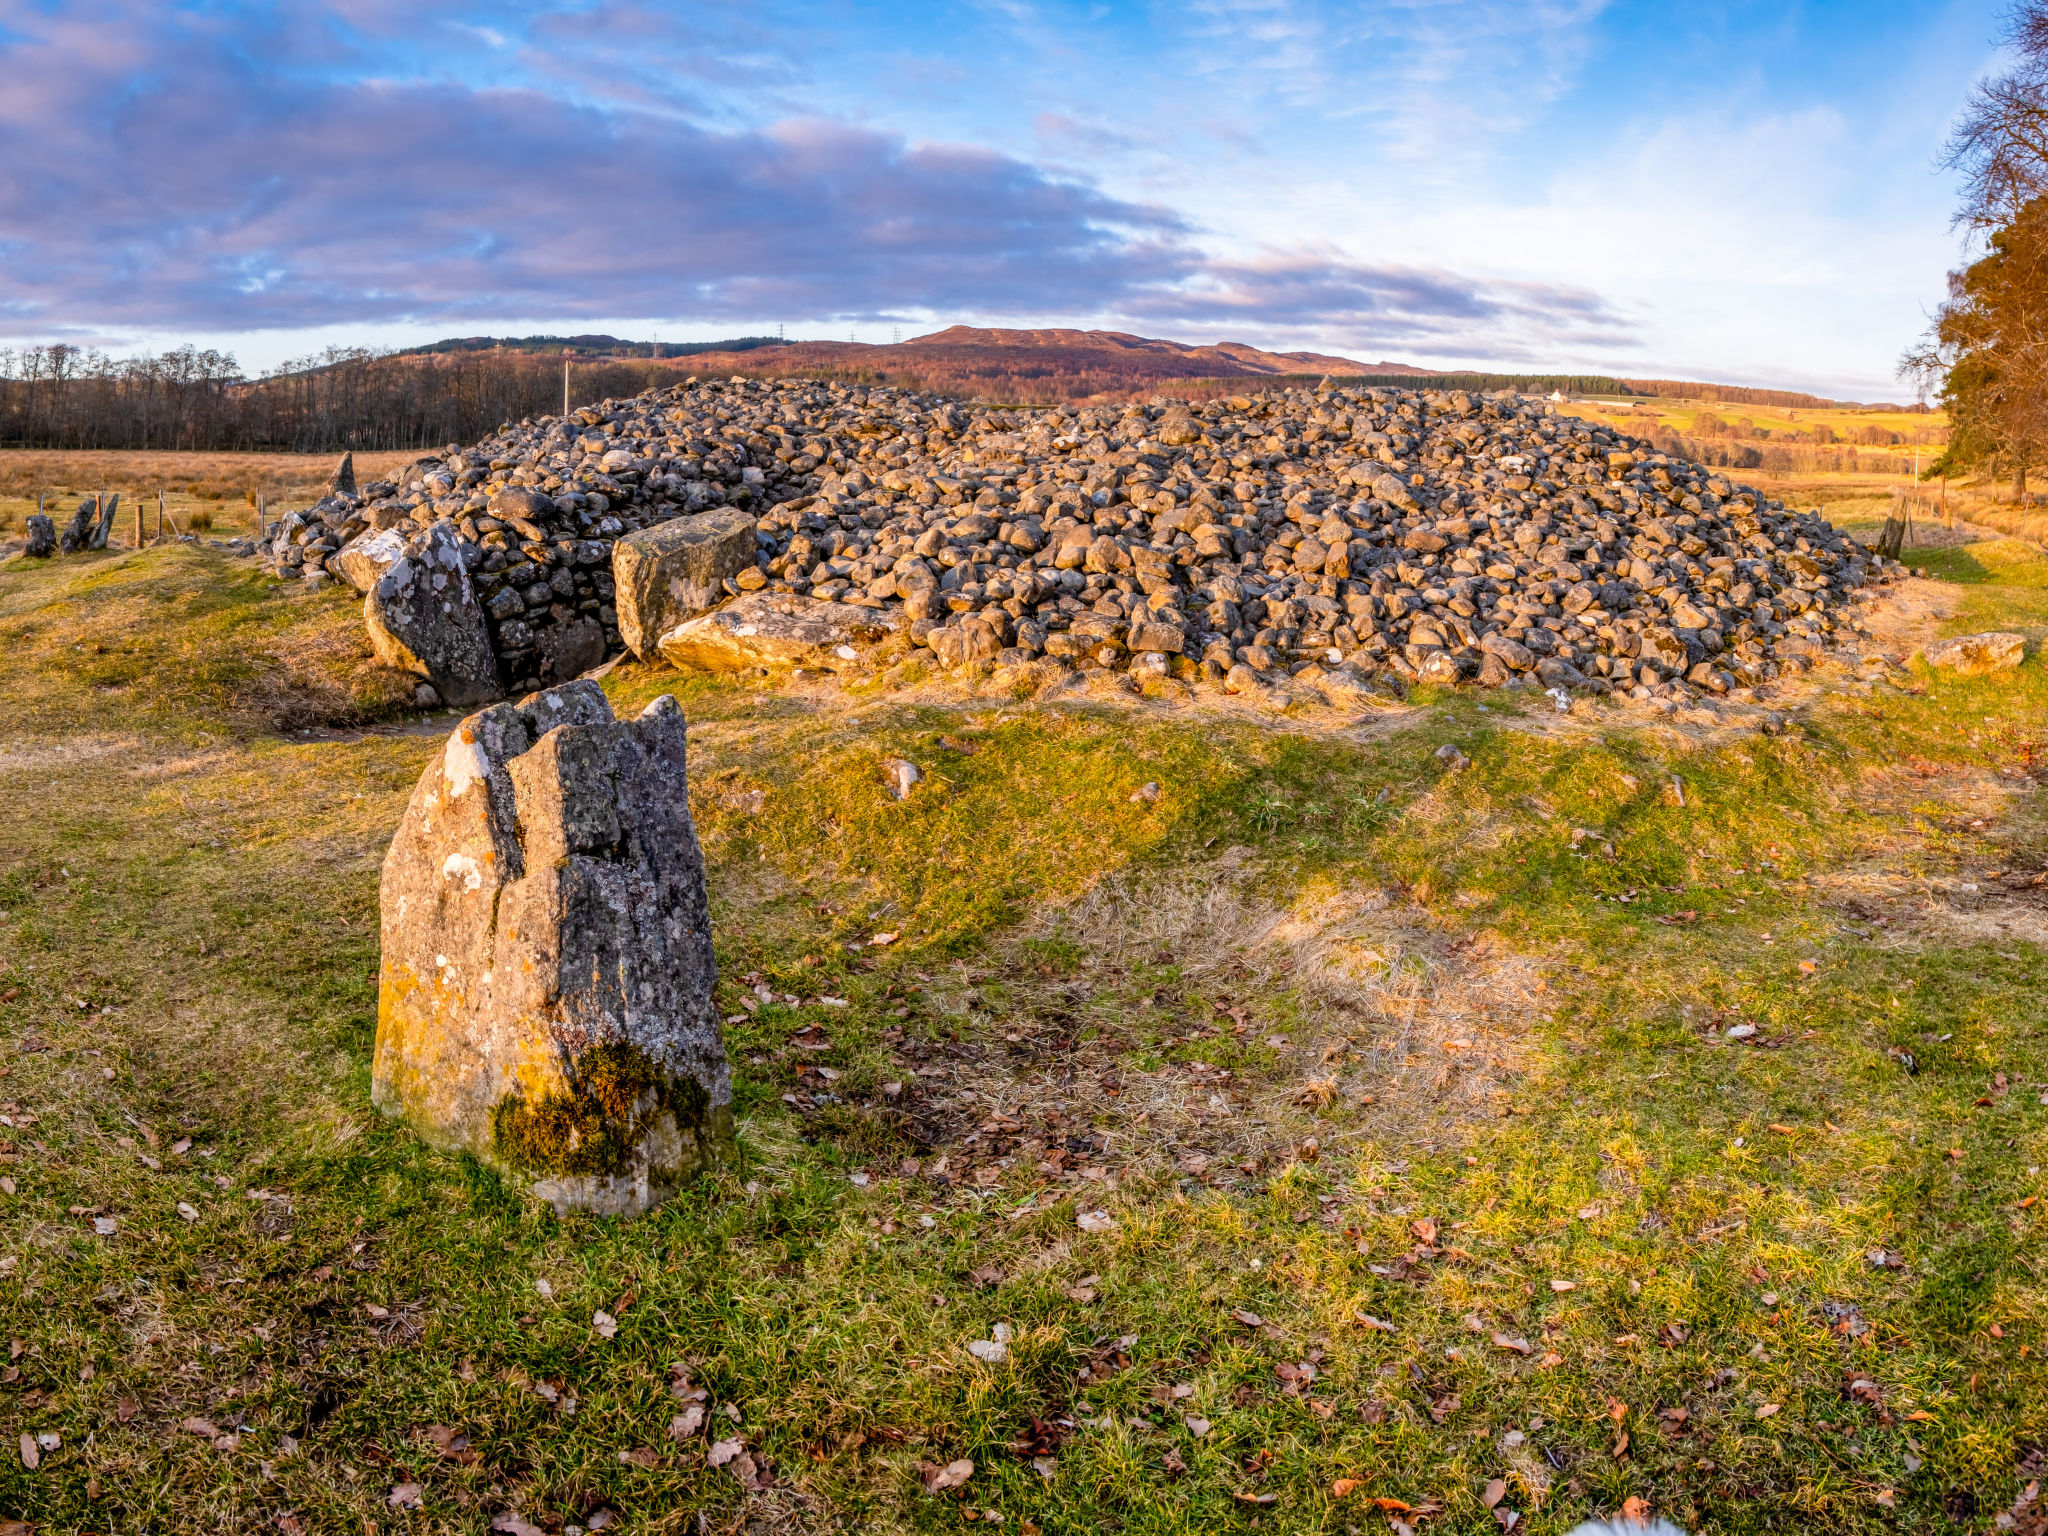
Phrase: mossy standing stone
{"type": "Point", "coordinates": [545, 998]}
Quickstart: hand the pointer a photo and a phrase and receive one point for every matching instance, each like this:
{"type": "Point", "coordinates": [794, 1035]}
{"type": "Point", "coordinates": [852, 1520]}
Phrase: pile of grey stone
{"type": "Point", "coordinates": [1356, 533]}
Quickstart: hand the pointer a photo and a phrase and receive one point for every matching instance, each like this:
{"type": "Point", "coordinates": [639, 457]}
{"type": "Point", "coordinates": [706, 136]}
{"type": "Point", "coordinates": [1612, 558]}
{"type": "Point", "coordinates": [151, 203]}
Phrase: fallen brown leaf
{"type": "Point", "coordinates": [1344, 1487]}
{"type": "Point", "coordinates": [952, 1475]}
{"type": "Point", "coordinates": [452, 1443]}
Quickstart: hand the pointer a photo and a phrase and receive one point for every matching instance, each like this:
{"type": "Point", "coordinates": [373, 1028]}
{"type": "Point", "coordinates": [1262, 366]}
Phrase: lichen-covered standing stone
{"type": "Point", "coordinates": [545, 1000]}
{"type": "Point", "coordinates": [423, 617]}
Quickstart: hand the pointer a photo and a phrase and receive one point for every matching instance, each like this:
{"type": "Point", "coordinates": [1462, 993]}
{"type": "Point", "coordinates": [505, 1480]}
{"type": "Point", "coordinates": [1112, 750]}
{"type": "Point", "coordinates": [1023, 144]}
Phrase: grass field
{"type": "Point", "coordinates": [1335, 1142]}
{"type": "Point", "coordinates": [1775, 424]}
{"type": "Point", "coordinates": [220, 487]}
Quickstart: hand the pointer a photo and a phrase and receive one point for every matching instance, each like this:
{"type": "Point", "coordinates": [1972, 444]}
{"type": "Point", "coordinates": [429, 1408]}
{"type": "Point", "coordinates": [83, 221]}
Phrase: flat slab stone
{"type": "Point", "coordinates": [775, 629]}
{"type": "Point", "coordinates": [1975, 655]}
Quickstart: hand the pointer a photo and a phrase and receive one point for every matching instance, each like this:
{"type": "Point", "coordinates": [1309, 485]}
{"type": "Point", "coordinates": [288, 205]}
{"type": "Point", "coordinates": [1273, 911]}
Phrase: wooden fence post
{"type": "Point", "coordinates": [138, 522]}
{"type": "Point", "coordinates": [159, 515]}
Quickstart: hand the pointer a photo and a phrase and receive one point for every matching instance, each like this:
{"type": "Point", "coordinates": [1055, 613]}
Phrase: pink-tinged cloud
{"type": "Point", "coordinates": [210, 169]}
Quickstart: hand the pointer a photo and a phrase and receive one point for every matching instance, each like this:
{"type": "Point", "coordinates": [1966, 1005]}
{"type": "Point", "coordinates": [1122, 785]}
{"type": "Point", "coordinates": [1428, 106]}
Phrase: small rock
{"type": "Point", "coordinates": [900, 775]}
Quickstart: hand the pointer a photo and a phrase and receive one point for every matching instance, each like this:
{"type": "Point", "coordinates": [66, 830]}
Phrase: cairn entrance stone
{"type": "Point", "coordinates": [343, 481]}
{"type": "Point", "coordinates": [42, 537]}
{"type": "Point", "coordinates": [675, 571]}
{"type": "Point", "coordinates": [545, 999]}
{"type": "Point", "coordinates": [424, 618]}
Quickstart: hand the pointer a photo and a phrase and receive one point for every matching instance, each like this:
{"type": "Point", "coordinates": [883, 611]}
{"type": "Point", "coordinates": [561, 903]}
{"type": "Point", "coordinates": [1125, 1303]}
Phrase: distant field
{"type": "Point", "coordinates": [1860, 442]}
{"type": "Point", "coordinates": [221, 485]}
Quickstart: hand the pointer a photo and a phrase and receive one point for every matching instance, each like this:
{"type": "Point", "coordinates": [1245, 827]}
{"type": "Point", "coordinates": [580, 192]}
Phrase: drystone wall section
{"type": "Point", "coordinates": [1369, 530]}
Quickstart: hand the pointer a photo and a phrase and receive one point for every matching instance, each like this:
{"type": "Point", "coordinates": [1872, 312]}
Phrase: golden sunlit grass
{"type": "Point", "coordinates": [1434, 1142]}
{"type": "Point", "coordinates": [221, 486]}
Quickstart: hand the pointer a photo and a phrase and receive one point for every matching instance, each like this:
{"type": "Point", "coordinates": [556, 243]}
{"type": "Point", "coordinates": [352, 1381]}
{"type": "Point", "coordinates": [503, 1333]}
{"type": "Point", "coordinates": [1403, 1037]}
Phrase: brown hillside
{"type": "Point", "coordinates": [1030, 365]}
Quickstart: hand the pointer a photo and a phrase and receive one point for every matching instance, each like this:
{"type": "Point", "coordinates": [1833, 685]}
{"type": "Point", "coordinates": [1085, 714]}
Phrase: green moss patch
{"type": "Point", "coordinates": [614, 1097]}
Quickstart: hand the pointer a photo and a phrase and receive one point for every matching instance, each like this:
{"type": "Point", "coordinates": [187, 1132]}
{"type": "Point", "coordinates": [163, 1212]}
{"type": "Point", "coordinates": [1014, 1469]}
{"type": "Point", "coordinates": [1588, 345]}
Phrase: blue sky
{"type": "Point", "coordinates": [1740, 192]}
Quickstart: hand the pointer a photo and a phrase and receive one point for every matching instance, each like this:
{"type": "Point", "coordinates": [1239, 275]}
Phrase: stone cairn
{"type": "Point", "coordinates": [545, 996]}
{"type": "Point", "coordinates": [1375, 532]}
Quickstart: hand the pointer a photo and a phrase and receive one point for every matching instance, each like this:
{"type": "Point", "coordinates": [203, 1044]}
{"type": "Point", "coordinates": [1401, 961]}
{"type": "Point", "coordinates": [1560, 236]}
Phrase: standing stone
{"type": "Point", "coordinates": [676, 570]}
{"type": "Point", "coordinates": [545, 999]}
{"type": "Point", "coordinates": [42, 537]}
{"type": "Point", "coordinates": [424, 618]}
{"type": "Point", "coordinates": [343, 481]}
{"type": "Point", "coordinates": [105, 527]}
{"type": "Point", "coordinates": [78, 535]}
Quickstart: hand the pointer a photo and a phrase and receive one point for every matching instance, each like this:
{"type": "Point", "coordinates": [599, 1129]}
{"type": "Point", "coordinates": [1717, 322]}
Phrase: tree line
{"type": "Point", "coordinates": [1986, 351]}
{"type": "Point", "coordinates": [346, 398]}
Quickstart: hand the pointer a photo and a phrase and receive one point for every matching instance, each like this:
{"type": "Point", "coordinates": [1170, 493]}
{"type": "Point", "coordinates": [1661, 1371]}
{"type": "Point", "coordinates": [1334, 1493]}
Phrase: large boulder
{"type": "Point", "coordinates": [545, 997]}
{"type": "Point", "coordinates": [363, 561]}
{"type": "Point", "coordinates": [1974, 655]}
{"type": "Point", "coordinates": [343, 481]}
{"type": "Point", "coordinates": [777, 629]}
{"type": "Point", "coordinates": [42, 537]}
{"type": "Point", "coordinates": [423, 617]}
{"type": "Point", "coordinates": [676, 570]}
